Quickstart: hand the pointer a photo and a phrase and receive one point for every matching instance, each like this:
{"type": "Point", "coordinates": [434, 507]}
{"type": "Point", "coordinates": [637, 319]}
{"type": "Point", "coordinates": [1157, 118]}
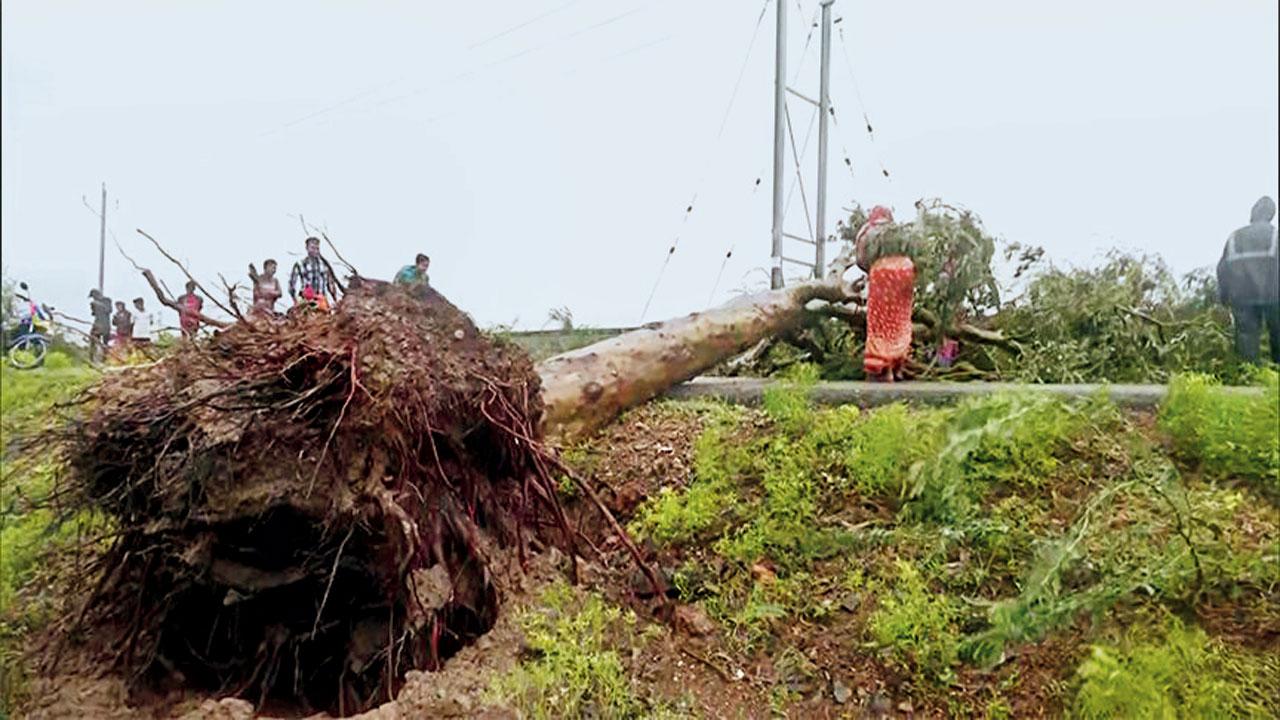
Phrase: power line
{"type": "Point", "coordinates": [460, 76]}
{"type": "Point", "coordinates": [519, 26]}
{"type": "Point", "coordinates": [693, 201]}
{"type": "Point", "coordinates": [725, 262]}
{"type": "Point", "coordinates": [808, 40]}
{"type": "Point", "coordinates": [857, 91]}
{"type": "Point", "coordinates": [742, 71]}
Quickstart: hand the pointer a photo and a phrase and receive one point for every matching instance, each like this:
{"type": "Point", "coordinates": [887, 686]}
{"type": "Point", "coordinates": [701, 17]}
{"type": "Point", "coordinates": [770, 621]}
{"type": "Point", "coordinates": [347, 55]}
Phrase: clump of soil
{"type": "Point", "coordinates": [306, 510]}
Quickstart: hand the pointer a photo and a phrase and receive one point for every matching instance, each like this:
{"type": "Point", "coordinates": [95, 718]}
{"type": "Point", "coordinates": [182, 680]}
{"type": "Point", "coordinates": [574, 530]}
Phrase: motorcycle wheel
{"type": "Point", "coordinates": [28, 352]}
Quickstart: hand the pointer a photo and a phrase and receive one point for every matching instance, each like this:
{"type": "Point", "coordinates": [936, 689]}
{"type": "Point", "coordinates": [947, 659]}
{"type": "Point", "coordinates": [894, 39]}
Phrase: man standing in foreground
{"type": "Point", "coordinates": [1249, 281]}
{"type": "Point", "coordinates": [415, 275]}
{"type": "Point", "coordinates": [315, 277]}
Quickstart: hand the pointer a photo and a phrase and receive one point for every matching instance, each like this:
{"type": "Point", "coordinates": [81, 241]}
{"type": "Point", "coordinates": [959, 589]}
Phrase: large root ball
{"type": "Point", "coordinates": [305, 509]}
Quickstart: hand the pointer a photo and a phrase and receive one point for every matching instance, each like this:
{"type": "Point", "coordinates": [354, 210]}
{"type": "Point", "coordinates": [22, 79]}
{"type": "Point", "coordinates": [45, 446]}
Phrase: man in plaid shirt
{"type": "Point", "coordinates": [315, 277]}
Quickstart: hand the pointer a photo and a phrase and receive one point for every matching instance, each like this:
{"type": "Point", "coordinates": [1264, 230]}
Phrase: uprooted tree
{"type": "Point", "coordinates": [304, 509]}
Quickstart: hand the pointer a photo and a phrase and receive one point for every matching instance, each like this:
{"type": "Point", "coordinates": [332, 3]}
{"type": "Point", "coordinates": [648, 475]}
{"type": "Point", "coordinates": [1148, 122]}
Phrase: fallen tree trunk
{"type": "Point", "coordinates": [586, 388]}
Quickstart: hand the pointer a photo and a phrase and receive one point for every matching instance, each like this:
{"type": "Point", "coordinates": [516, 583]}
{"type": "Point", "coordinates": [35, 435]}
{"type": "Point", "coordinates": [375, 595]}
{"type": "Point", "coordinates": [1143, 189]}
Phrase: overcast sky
{"type": "Point", "coordinates": [543, 151]}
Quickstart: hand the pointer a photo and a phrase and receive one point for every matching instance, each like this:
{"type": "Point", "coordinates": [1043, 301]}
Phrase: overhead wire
{"type": "Point", "coordinates": [462, 75]}
{"type": "Point", "coordinates": [684, 221]}
{"type": "Point", "coordinates": [804, 56]}
{"type": "Point", "coordinates": [514, 56]}
{"type": "Point", "coordinates": [521, 25]}
{"type": "Point", "coordinates": [857, 91]}
{"type": "Point", "coordinates": [729, 254]}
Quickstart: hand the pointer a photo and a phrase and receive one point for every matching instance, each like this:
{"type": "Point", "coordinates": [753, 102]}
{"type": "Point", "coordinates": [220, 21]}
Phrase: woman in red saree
{"type": "Point", "coordinates": [890, 293]}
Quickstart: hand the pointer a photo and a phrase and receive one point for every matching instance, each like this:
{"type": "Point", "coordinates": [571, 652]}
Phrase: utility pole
{"type": "Point", "coordinates": [779, 140]}
{"type": "Point", "coordinates": [102, 239]}
{"type": "Point", "coordinates": [824, 109]}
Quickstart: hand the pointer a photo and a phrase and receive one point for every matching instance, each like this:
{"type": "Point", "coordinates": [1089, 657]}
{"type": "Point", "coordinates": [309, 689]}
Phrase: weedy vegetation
{"type": "Point", "coordinates": [968, 536]}
{"type": "Point", "coordinates": [575, 668]}
{"type": "Point", "coordinates": [32, 530]}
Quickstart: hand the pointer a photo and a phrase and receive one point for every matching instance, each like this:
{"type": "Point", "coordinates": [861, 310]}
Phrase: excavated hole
{"type": "Point", "coordinates": [247, 629]}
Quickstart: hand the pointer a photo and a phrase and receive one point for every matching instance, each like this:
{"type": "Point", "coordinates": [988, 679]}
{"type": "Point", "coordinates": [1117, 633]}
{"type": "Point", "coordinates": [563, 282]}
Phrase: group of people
{"type": "Point", "coordinates": [313, 285]}
{"type": "Point", "coordinates": [117, 325]}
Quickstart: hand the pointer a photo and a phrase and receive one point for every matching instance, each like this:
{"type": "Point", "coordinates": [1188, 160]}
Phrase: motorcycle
{"type": "Point", "coordinates": [31, 342]}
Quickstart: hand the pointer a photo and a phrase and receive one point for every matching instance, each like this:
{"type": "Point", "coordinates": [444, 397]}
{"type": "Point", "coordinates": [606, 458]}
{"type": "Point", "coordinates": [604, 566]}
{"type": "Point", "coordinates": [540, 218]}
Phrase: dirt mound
{"type": "Point", "coordinates": [304, 511]}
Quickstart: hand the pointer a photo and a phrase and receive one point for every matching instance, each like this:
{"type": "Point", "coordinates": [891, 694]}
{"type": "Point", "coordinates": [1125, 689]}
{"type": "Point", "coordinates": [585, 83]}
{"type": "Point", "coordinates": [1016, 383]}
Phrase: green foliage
{"type": "Point", "coordinates": [787, 402]}
{"type": "Point", "coordinates": [1128, 320]}
{"type": "Point", "coordinates": [760, 499]}
{"type": "Point", "coordinates": [1183, 674]}
{"type": "Point", "coordinates": [873, 454]}
{"type": "Point", "coordinates": [917, 625]}
{"type": "Point", "coordinates": [676, 516]}
{"type": "Point", "coordinates": [1017, 515]}
{"type": "Point", "coordinates": [26, 396]}
{"type": "Point", "coordinates": [1014, 440]}
{"type": "Point", "coordinates": [952, 254]}
{"type": "Point", "coordinates": [1027, 452]}
{"type": "Point", "coordinates": [784, 525]}
{"type": "Point", "coordinates": [576, 671]}
{"type": "Point", "coordinates": [1226, 433]}
{"type": "Point", "coordinates": [1145, 534]}
{"type": "Point", "coordinates": [27, 526]}
{"type": "Point", "coordinates": [30, 528]}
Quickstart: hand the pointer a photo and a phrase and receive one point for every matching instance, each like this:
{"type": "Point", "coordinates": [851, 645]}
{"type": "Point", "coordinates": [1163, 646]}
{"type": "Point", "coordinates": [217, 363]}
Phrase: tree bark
{"type": "Point", "coordinates": [586, 388]}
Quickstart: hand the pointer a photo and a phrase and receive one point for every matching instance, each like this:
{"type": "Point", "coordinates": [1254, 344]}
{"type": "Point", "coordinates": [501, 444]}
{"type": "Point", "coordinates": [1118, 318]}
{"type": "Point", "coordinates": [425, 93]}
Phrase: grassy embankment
{"type": "Point", "coordinates": [971, 560]}
{"type": "Point", "coordinates": [31, 529]}
{"type": "Point", "coordinates": [1006, 556]}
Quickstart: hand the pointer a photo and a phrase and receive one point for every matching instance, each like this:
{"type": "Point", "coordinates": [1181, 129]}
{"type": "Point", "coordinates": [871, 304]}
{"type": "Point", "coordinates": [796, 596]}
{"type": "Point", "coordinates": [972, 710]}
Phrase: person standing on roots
{"type": "Point", "coordinates": [266, 287]}
{"type": "Point", "coordinates": [100, 333]}
{"type": "Point", "coordinates": [123, 322]}
{"type": "Point", "coordinates": [1249, 281]}
{"type": "Point", "coordinates": [189, 316]}
{"type": "Point", "coordinates": [415, 275]}
{"type": "Point", "coordinates": [312, 278]}
{"type": "Point", "coordinates": [890, 294]}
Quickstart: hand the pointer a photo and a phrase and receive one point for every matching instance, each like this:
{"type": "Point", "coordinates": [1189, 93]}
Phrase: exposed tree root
{"type": "Point", "coordinates": [307, 509]}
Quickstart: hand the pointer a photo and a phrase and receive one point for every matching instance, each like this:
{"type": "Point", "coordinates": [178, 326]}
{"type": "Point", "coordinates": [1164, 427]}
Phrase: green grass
{"type": "Point", "coordinates": [970, 532]}
{"type": "Point", "coordinates": [30, 529]}
{"type": "Point", "coordinates": [576, 669]}
{"type": "Point", "coordinates": [1149, 535]}
{"type": "Point", "coordinates": [1181, 673]}
{"type": "Point", "coordinates": [27, 525]}
{"type": "Point", "coordinates": [917, 625]}
{"type": "Point", "coordinates": [1224, 434]}
{"type": "Point", "coordinates": [27, 395]}
{"type": "Point", "coordinates": [678, 516]}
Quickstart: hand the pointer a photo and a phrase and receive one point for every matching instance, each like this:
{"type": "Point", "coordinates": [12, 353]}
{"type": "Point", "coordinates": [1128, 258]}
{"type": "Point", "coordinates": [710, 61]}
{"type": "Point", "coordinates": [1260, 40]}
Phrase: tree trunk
{"type": "Point", "coordinates": [586, 388]}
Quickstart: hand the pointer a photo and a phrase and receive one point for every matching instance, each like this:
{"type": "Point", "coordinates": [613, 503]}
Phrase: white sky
{"type": "Point", "coordinates": [557, 171]}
